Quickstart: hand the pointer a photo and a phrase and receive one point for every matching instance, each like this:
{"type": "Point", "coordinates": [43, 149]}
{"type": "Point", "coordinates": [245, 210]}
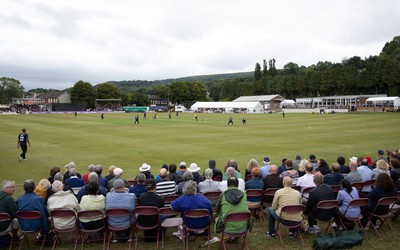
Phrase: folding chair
{"type": "Point", "coordinates": [169, 222]}
{"type": "Point", "coordinates": [5, 217]}
{"type": "Point", "coordinates": [386, 201]}
{"type": "Point", "coordinates": [217, 178]}
{"type": "Point", "coordinates": [64, 214]}
{"type": "Point", "coordinates": [30, 216]}
{"type": "Point", "coordinates": [170, 198]}
{"type": "Point", "coordinates": [358, 186]}
{"type": "Point", "coordinates": [236, 217]}
{"type": "Point", "coordinates": [132, 182]}
{"type": "Point", "coordinates": [256, 206]}
{"type": "Point", "coordinates": [120, 213]}
{"type": "Point", "coordinates": [147, 211]}
{"type": "Point", "coordinates": [269, 194]}
{"type": "Point", "coordinates": [396, 207]}
{"type": "Point", "coordinates": [362, 203]}
{"type": "Point", "coordinates": [90, 215]}
{"type": "Point", "coordinates": [328, 205]}
{"type": "Point", "coordinates": [213, 196]}
{"type": "Point", "coordinates": [367, 183]}
{"type": "Point", "coordinates": [298, 188]}
{"type": "Point", "coordinates": [304, 194]}
{"type": "Point", "coordinates": [291, 209]}
{"type": "Point", "coordinates": [195, 214]}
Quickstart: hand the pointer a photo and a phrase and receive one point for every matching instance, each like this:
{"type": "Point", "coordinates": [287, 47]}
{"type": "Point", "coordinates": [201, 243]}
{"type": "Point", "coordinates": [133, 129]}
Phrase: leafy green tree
{"type": "Point", "coordinates": [198, 91]}
{"type": "Point", "coordinates": [107, 91]}
{"type": "Point", "coordinates": [257, 72]}
{"type": "Point", "coordinates": [162, 91]}
{"type": "Point", "coordinates": [10, 88]}
{"type": "Point", "coordinates": [180, 93]}
{"type": "Point", "coordinates": [83, 92]}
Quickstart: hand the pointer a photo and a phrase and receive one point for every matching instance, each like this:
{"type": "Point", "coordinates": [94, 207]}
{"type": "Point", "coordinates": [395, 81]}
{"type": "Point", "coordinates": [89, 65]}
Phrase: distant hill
{"type": "Point", "coordinates": [134, 84]}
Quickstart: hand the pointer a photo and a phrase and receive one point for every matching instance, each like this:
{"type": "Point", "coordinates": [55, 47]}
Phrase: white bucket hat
{"type": "Point", "coordinates": [144, 167]}
{"type": "Point", "coordinates": [193, 167]}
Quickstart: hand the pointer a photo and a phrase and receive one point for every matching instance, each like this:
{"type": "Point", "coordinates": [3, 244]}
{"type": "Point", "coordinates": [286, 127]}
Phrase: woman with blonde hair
{"type": "Point", "coordinates": [381, 167]}
{"type": "Point", "coordinates": [250, 165]}
{"type": "Point", "coordinates": [302, 167]}
{"type": "Point", "coordinates": [42, 187]}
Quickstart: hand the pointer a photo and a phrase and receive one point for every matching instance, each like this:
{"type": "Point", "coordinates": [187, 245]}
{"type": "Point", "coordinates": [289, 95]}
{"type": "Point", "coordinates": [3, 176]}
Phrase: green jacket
{"type": "Point", "coordinates": [231, 201]}
{"type": "Point", "coordinates": [7, 205]}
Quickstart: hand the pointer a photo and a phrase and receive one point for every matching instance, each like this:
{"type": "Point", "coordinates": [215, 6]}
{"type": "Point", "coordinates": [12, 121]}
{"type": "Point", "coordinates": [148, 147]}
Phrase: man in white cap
{"type": "Point", "coordinates": [196, 176]}
{"type": "Point", "coordinates": [145, 169]}
{"type": "Point", "coordinates": [117, 174]}
{"type": "Point", "coordinates": [182, 168]}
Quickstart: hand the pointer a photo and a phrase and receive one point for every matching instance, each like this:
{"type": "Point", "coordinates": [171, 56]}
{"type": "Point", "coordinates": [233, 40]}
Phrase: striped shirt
{"type": "Point", "coordinates": [165, 188]}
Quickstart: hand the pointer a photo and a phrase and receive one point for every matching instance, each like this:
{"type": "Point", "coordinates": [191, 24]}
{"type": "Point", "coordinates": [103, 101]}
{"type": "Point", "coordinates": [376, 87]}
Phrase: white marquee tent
{"type": "Point", "coordinates": [388, 101]}
{"type": "Point", "coordinates": [229, 107]}
{"type": "Point", "coordinates": [287, 104]}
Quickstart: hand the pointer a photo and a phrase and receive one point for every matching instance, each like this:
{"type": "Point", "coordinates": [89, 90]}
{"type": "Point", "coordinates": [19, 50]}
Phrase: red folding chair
{"type": "Point", "coordinates": [119, 213]}
{"type": "Point", "coordinates": [64, 215]}
{"type": "Point", "coordinates": [92, 215]}
{"type": "Point", "coordinates": [6, 218]}
{"type": "Point", "coordinates": [298, 188]}
{"type": "Point", "coordinates": [291, 209]}
{"type": "Point", "coordinates": [232, 218]}
{"type": "Point", "coordinates": [132, 182]}
{"type": "Point", "coordinates": [358, 186]}
{"type": "Point", "coordinates": [213, 196]}
{"type": "Point", "coordinates": [269, 194]}
{"type": "Point", "coordinates": [217, 178]}
{"type": "Point", "coordinates": [256, 207]}
{"type": "Point", "coordinates": [170, 198]}
{"type": "Point", "coordinates": [367, 183]}
{"type": "Point", "coordinates": [195, 214]}
{"type": "Point", "coordinates": [396, 207]}
{"type": "Point", "coordinates": [30, 216]}
{"type": "Point", "coordinates": [169, 222]}
{"type": "Point", "coordinates": [328, 205]}
{"type": "Point", "coordinates": [304, 194]}
{"type": "Point", "coordinates": [386, 201]}
{"type": "Point", "coordinates": [362, 203]}
{"type": "Point", "coordinates": [148, 212]}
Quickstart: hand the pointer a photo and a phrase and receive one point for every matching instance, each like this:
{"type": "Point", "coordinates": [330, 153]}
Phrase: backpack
{"type": "Point", "coordinates": [343, 239]}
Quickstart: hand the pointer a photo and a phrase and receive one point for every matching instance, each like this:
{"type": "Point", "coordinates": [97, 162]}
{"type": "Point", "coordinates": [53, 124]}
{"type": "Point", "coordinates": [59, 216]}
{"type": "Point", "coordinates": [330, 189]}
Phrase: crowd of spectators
{"type": "Point", "coordinates": [90, 190]}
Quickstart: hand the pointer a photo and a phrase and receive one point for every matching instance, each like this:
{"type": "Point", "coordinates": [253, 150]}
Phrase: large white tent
{"type": "Point", "coordinates": [387, 101]}
{"type": "Point", "coordinates": [287, 104]}
{"type": "Point", "coordinates": [229, 107]}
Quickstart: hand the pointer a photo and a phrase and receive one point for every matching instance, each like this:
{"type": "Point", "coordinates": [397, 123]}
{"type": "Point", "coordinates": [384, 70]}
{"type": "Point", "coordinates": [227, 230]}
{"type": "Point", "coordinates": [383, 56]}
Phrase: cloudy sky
{"type": "Point", "coordinates": [53, 44]}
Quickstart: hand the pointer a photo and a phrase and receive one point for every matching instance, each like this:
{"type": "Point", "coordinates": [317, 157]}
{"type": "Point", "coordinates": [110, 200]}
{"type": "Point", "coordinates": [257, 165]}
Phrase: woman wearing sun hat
{"type": "Point", "coordinates": [145, 169]}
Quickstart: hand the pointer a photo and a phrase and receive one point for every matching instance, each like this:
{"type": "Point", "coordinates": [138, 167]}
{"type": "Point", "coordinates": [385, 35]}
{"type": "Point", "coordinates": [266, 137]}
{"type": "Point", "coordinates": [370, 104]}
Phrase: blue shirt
{"type": "Point", "coordinates": [254, 184]}
{"type": "Point", "coordinates": [190, 202]}
{"type": "Point", "coordinates": [265, 170]}
{"type": "Point", "coordinates": [119, 199]}
{"type": "Point", "coordinates": [22, 139]}
{"type": "Point", "coordinates": [344, 199]}
{"type": "Point", "coordinates": [138, 189]}
{"type": "Point", "coordinates": [366, 175]}
{"type": "Point", "coordinates": [31, 201]}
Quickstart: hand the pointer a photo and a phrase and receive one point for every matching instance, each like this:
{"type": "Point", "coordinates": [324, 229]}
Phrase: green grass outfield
{"type": "Point", "coordinates": [60, 138]}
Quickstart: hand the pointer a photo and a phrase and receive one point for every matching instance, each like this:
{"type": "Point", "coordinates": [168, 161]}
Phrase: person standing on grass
{"type": "Point", "coordinates": [230, 121]}
{"type": "Point", "coordinates": [137, 119]}
{"type": "Point", "coordinates": [102, 116]}
{"type": "Point", "coordinates": [23, 142]}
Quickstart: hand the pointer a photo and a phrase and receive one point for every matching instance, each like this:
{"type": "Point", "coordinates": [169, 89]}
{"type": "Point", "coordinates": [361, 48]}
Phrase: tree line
{"type": "Point", "coordinates": [379, 74]}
